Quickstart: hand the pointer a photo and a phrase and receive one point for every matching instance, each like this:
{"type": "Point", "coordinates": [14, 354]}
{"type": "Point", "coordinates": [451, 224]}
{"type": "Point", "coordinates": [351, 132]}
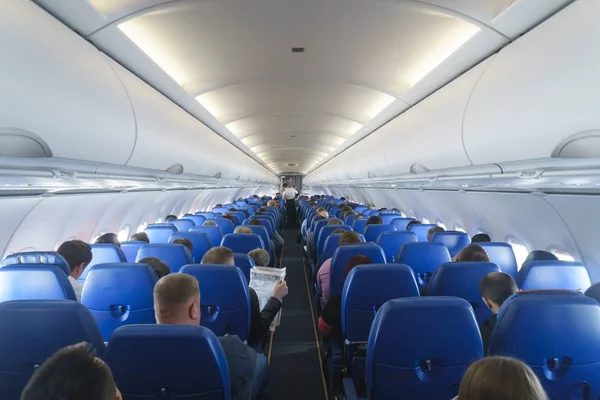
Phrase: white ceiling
{"type": "Point", "coordinates": [364, 63]}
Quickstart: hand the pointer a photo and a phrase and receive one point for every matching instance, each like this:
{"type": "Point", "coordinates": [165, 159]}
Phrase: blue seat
{"type": "Point", "coordinates": [200, 243]}
{"type": "Point", "coordinates": [425, 358]}
{"type": "Point", "coordinates": [244, 262]}
{"type": "Point", "coordinates": [502, 254]}
{"type": "Point", "coordinates": [198, 219]}
{"type": "Point", "coordinates": [173, 254]}
{"type": "Point", "coordinates": [242, 242]}
{"type": "Point", "coordinates": [324, 234]}
{"type": "Point", "coordinates": [103, 253]}
{"type": "Point", "coordinates": [206, 214]}
{"type": "Point", "coordinates": [239, 216]}
{"type": "Point", "coordinates": [388, 218]}
{"type": "Point", "coordinates": [540, 275]}
{"type": "Point", "coordinates": [222, 210]}
{"type": "Point", "coordinates": [130, 249]}
{"type": "Point", "coordinates": [213, 232]}
{"type": "Point", "coordinates": [392, 241]}
{"type": "Point", "coordinates": [461, 279]}
{"type": "Point", "coordinates": [264, 221]}
{"type": "Point", "coordinates": [182, 351]}
{"type": "Point", "coordinates": [263, 233]}
{"type": "Point", "coordinates": [34, 282]}
{"type": "Point", "coordinates": [341, 257]}
{"type": "Point", "coordinates": [119, 294]}
{"type": "Point", "coordinates": [182, 225]}
{"type": "Point", "coordinates": [400, 223]}
{"type": "Point", "coordinates": [225, 225]}
{"type": "Point", "coordinates": [372, 232]}
{"type": "Point", "coordinates": [37, 329]}
{"type": "Point", "coordinates": [421, 231]}
{"type": "Point", "coordinates": [225, 301]}
{"type": "Point", "coordinates": [240, 203]}
{"type": "Point", "coordinates": [37, 257]}
{"type": "Point", "coordinates": [565, 350]}
{"type": "Point", "coordinates": [359, 225]}
{"type": "Point", "coordinates": [453, 240]}
{"type": "Point", "coordinates": [423, 258]}
{"type": "Point", "coordinates": [349, 219]}
{"type": "Point", "coordinates": [160, 233]}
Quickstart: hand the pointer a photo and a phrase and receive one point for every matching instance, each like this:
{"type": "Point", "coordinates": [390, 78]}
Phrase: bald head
{"type": "Point", "coordinates": [177, 300]}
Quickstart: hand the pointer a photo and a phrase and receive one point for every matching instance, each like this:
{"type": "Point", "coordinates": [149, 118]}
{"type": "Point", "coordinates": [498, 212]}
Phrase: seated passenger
{"type": "Point", "coordinates": [540, 255]}
{"type": "Point", "coordinates": [242, 229]}
{"type": "Point", "coordinates": [324, 273]}
{"type": "Point", "coordinates": [472, 252]}
{"type": "Point", "coordinates": [322, 212]}
{"type": "Point", "coordinates": [229, 217]}
{"type": "Point", "coordinates": [310, 236]}
{"type": "Point", "coordinates": [109, 238]}
{"type": "Point", "coordinates": [177, 301]}
{"type": "Point", "coordinates": [433, 231]}
{"type": "Point", "coordinates": [140, 237]}
{"type": "Point", "coordinates": [78, 255]}
{"type": "Point", "coordinates": [186, 243]}
{"type": "Point", "coordinates": [260, 320]}
{"type": "Point", "coordinates": [500, 378]}
{"type": "Point", "coordinates": [72, 373]}
{"type": "Point", "coordinates": [330, 321]}
{"type": "Point", "coordinates": [170, 217]}
{"type": "Point", "coordinates": [159, 266]}
{"type": "Point", "coordinates": [495, 288]}
{"type": "Point", "coordinates": [210, 222]}
{"type": "Point", "coordinates": [276, 247]}
{"type": "Point", "coordinates": [335, 221]}
{"type": "Point", "coordinates": [374, 220]}
{"type": "Point", "coordinates": [481, 238]}
{"type": "Point", "coordinates": [260, 257]}
{"type": "Point", "coordinates": [411, 223]}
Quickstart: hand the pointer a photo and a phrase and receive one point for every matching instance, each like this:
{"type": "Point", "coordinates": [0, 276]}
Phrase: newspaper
{"type": "Point", "coordinates": [263, 280]}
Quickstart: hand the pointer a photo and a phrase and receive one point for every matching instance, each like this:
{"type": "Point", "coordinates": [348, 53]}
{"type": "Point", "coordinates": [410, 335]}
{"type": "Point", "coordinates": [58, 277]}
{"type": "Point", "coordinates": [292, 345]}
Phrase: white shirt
{"type": "Point", "coordinates": [289, 194]}
{"type": "Point", "coordinates": [77, 287]}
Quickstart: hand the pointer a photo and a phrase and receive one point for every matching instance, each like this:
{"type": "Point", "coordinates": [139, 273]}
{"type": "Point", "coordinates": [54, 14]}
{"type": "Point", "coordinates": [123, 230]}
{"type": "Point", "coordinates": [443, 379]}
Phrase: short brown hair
{"type": "Point", "coordinates": [159, 266]}
{"type": "Point", "coordinates": [218, 255]}
{"type": "Point", "coordinates": [243, 229]}
{"type": "Point", "coordinates": [173, 291]}
{"type": "Point", "coordinates": [335, 221]}
{"type": "Point", "coordinates": [355, 261]}
{"type": "Point", "coordinates": [432, 231]}
{"type": "Point", "coordinates": [260, 257]}
{"type": "Point", "coordinates": [473, 252]}
{"type": "Point", "coordinates": [349, 237]}
{"type": "Point", "coordinates": [186, 243]}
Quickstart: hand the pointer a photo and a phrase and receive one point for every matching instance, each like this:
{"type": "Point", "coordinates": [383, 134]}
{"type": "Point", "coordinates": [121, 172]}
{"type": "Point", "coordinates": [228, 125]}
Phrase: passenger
{"type": "Point", "coordinates": [412, 222]}
{"type": "Point", "coordinates": [109, 238]}
{"type": "Point", "coordinates": [272, 203]}
{"type": "Point", "coordinates": [374, 220]}
{"type": "Point", "coordinates": [481, 238]}
{"type": "Point", "coordinates": [218, 205]}
{"type": "Point", "coordinates": [210, 222]}
{"type": "Point", "coordinates": [72, 373]}
{"type": "Point", "coordinates": [322, 212]}
{"type": "Point", "coordinates": [495, 288]}
{"type": "Point", "coordinates": [500, 378]}
{"type": "Point", "coordinates": [324, 274]}
{"type": "Point", "coordinates": [276, 247]}
{"type": "Point", "coordinates": [260, 257]}
{"type": "Point", "coordinates": [186, 243]}
{"type": "Point", "coordinates": [170, 217]}
{"type": "Point", "coordinates": [260, 320]}
{"type": "Point", "coordinates": [472, 252]}
{"type": "Point", "coordinates": [159, 266]}
{"type": "Point", "coordinates": [330, 321]}
{"type": "Point", "coordinates": [338, 230]}
{"type": "Point", "coordinates": [177, 302]}
{"type": "Point", "coordinates": [229, 217]}
{"type": "Point", "coordinates": [243, 229]}
{"type": "Point", "coordinates": [140, 237]}
{"type": "Point", "coordinates": [78, 255]}
{"type": "Point", "coordinates": [289, 195]}
{"type": "Point", "coordinates": [540, 255]}
{"type": "Point", "coordinates": [594, 292]}
{"type": "Point", "coordinates": [335, 221]}
{"type": "Point", "coordinates": [433, 231]}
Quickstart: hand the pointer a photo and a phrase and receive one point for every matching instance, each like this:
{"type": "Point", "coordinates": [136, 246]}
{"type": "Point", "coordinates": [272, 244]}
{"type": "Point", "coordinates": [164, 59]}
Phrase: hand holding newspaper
{"type": "Point", "coordinates": [263, 280]}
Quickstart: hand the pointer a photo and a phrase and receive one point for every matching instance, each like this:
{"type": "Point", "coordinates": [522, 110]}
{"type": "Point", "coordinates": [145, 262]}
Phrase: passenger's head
{"type": "Point", "coordinates": [262, 210]}
{"type": "Point", "coordinates": [335, 221]}
{"type": "Point", "coordinates": [355, 261]}
{"type": "Point", "coordinates": [218, 205]}
{"type": "Point", "coordinates": [177, 300]}
{"type": "Point", "coordinates": [254, 222]}
{"type": "Point", "coordinates": [500, 378]}
{"type": "Point", "coordinates": [342, 198]}
{"type": "Point", "coordinates": [433, 231]}
{"type": "Point", "coordinates": [481, 238]}
{"type": "Point", "coordinates": [218, 255]}
{"type": "Point", "coordinates": [495, 288]}
{"type": "Point", "coordinates": [243, 229]}
{"type": "Point", "coordinates": [210, 222]}
{"type": "Point", "coordinates": [159, 266]}
{"type": "Point", "coordinates": [540, 255]}
{"type": "Point", "coordinates": [229, 217]}
{"type": "Point", "coordinates": [140, 237]}
{"type": "Point", "coordinates": [472, 252]}
{"type": "Point", "coordinates": [323, 212]}
{"type": "Point", "coordinates": [271, 203]}
{"type": "Point", "coordinates": [170, 217]}
{"type": "Point", "coordinates": [78, 255]}
{"type": "Point", "coordinates": [339, 230]}
{"type": "Point", "coordinates": [349, 237]}
{"type": "Point", "coordinates": [72, 373]}
{"type": "Point", "coordinates": [186, 243]}
{"type": "Point", "coordinates": [109, 238]}
{"type": "Point", "coordinates": [374, 220]}
{"type": "Point", "coordinates": [260, 257]}
{"type": "Point", "coordinates": [412, 222]}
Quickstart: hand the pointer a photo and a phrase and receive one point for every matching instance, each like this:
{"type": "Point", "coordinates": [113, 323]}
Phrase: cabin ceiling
{"type": "Point", "coordinates": [295, 110]}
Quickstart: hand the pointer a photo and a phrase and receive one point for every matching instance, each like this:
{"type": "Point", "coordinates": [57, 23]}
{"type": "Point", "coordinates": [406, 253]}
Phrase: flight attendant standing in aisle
{"type": "Point", "coordinates": [289, 195]}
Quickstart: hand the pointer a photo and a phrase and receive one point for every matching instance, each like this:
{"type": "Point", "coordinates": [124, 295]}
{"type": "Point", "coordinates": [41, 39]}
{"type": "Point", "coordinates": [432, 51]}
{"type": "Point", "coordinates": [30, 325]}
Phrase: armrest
{"type": "Point", "coordinates": [349, 389]}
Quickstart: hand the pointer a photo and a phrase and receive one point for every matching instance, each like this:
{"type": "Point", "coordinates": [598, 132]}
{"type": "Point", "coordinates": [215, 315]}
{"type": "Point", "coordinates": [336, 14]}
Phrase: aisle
{"type": "Point", "coordinates": [295, 368]}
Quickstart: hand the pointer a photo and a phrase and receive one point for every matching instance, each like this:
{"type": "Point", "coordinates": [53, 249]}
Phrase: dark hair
{"type": "Point", "coordinates": [540, 255]}
{"type": "Point", "coordinates": [354, 261]}
{"type": "Point", "coordinates": [413, 222]}
{"type": "Point", "coordinates": [229, 217]}
{"type": "Point", "coordinates": [338, 230]}
{"type": "Point", "coordinates": [159, 266]}
{"type": "Point", "coordinates": [349, 237]}
{"type": "Point", "coordinates": [76, 252]}
{"type": "Point", "coordinates": [185, 242]}
{"type": "Point", "coordinates": [109, 238]}
{"type": "Point", "coordinates": [140, 237]}
{"type": "Point", "coordinates": [170, 217]}
{"type": "Point", "coordinates": [334, 221]}
{"type": "Point", "coordinates": [432, 231]}
{"type": "Point", "coordinates": [73, 372]}
{"type": "Point", "coordinates": [497, 286]}
{"type": "Point", "coordinates": [254, 221]}
{"type": "Point", "coordinates": [481, 238]}
{"type": "Point", "coordinates": [374, 220]}
{"type": "Point", "coordinates": [472, 252]}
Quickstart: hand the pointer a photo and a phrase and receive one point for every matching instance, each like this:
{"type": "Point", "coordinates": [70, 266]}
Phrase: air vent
{"type": "Point", "coordinates": [417, 168]}
{"type": "Point", "coordinates": [175, 169]}
{"type": "Point", "coordinates": [297, 49]}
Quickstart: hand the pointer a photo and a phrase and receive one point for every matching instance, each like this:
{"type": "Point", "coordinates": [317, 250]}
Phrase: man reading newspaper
{"type": "Point", "coordinates": [263, 280]}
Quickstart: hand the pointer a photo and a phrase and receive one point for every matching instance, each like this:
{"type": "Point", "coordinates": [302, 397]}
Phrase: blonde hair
{"type": "Point", "coordinates": [173, 291]}
{"type": "Point", "coordinates": [243, 229]}
{"type": "Point", "coordinates": [500, 378]}
{"type": "Point", "coordinates": [218, 255]}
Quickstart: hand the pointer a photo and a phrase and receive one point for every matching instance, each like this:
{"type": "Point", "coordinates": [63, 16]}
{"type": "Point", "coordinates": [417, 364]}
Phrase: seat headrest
{"type": "Point", "coordinates": [502, 254]}
{"type": "Point", "coordinates": [453, 240]}
{"type": "Point", "coordinates": [173, 254]}
{"type": "Point", "coordinates": [540, 275]}
{"type": "Point", "coordinates": [37, 257]}
{"type": "Point", "coordinates": [34, 282]}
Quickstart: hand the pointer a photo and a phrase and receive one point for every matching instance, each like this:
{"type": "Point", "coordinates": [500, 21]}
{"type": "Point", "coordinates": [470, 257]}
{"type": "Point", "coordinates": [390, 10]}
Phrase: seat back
{"type": "Point", "coordinates": [421, 231]}
{"type": "Point", "coordinates": [502, 254]}
{"type": "Point", "coordinates": [264, 221]}
{"type": "Point", "coordinates": [103, 253]}
{"type": "Point", "coordinates": [225, 300]}
{"type": "Point", "coordinates": [160, 233]}
{"type": "Point", "coordinates": [34, 282]}
{"type": "Point", "coordinates": [198, 219]}
{"type": "Point", "coordinates": [222, 210]}
{"type": "Point", "coordinates": [366, 289]}
{"type": "Point", "coordinates": [427, 357]}
{"type": "Point", "coordinates": [453, 240]}
{"type": "Point", "coordinates": [423, 258]}
{"type": "Point", "coordinates": [541, 275]}
{"type": "Point", "coordinates": [173, 254]}
{"type": "Point", "coordinates": [392, 241]}
{"type": "Point", "coordinates": [130, 249]}
{"type": "Point", "coordinates": [400, 223]}
{"type": "Point", "coordinates": [213, 232]}
{"type": "Point", "coordinates": [242, 242]}
{"type": "Point", "coordinates": [206, 214]}
{"type": "Point", "coordinates": [182, 225]}
{"type": "Point", "coordinates": [359, 225]}
{"type": "Point", "coordinates": [461, 279]}
{"type": "Point", "coordinates": [349, 220]}
{"type": "Point", "coordinates": [183, 352]}
{"type": "Point", "coordinates": [324, 234]}
{"type": "Point", "coordinates": [120, 294]}
{"type": "Point", "coordinates": [372, 232]}
{"type": "Point", "coordinates": [200, 243]}
{"type": "Point", "coordinates": [263, 233]}
{"type": "Point", "coordinates": [37, 257]}
{"type": "Point", "coordinates": [387, 218]}
{"type": "Point", "coordinates": [565, 352]}
{"type": "Point", "coordinates": [341, 257]}
{"type": "Point", "coordinates": [245, 263]}
{"type": "Point", "coordinates": [225, 224]}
